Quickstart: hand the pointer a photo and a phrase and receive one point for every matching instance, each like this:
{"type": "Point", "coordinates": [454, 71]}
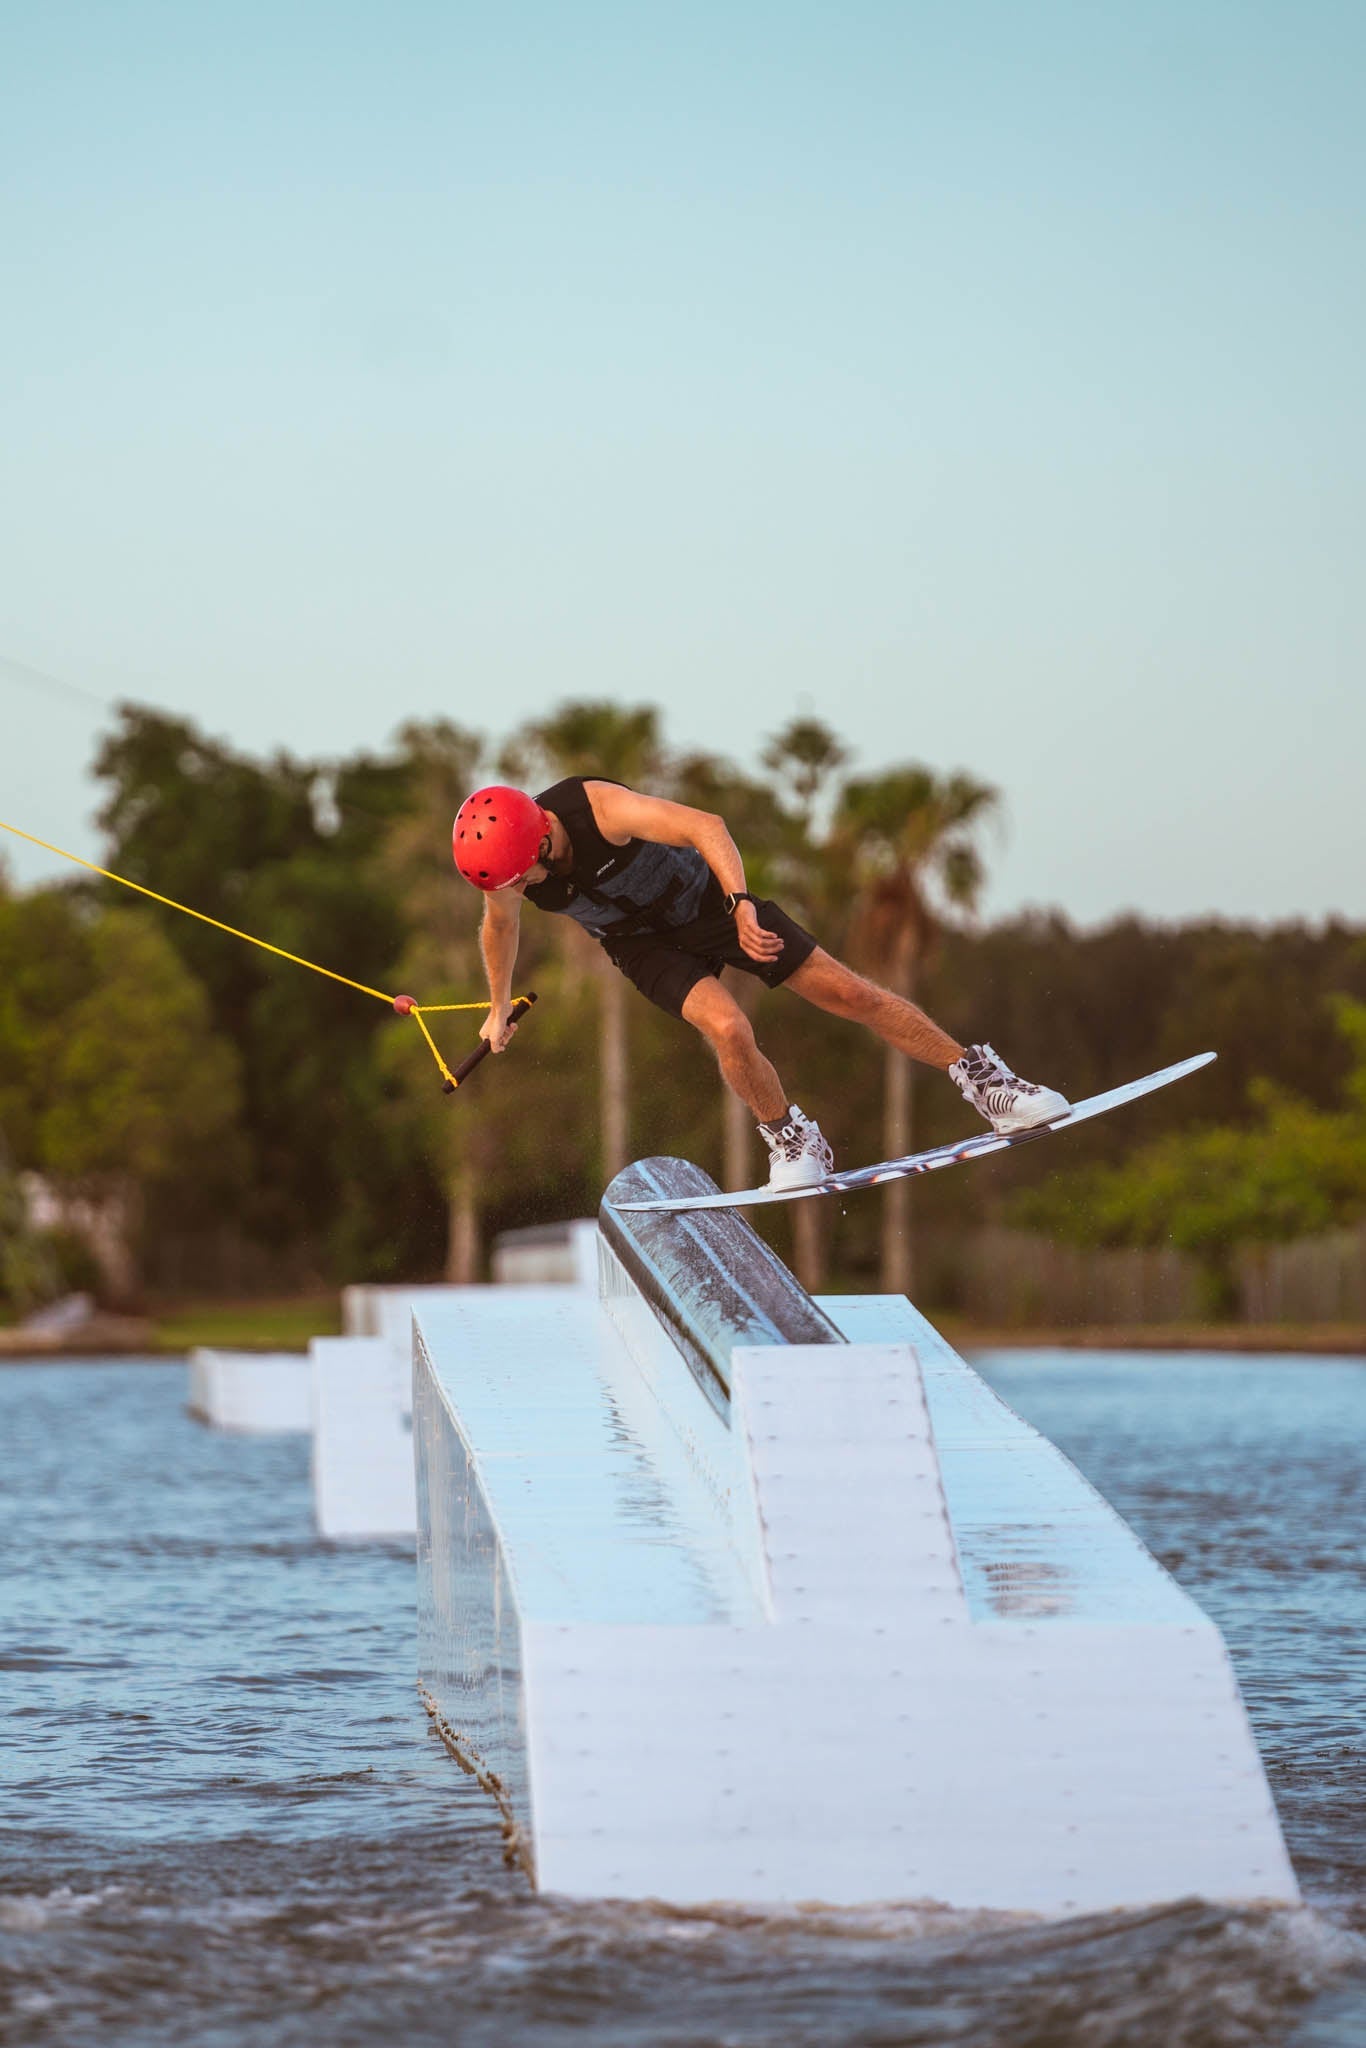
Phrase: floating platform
{"type": "Point", "coordinates": [363, 1384]}
{"type": "Point", "coordinates": [362, 1410]}
{"type": "Point", "coordinates": [564, 1254]}
{"type": "Point", "coordinates": [729, 1593]}
{"type": "Point", "coordinates": [362, 1463]}
{"type": "Point", "coordinates": [257, 1393]}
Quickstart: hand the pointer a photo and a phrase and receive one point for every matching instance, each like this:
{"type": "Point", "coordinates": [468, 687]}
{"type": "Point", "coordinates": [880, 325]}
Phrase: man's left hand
{"type": "Point", "coordinates": [758, 943]}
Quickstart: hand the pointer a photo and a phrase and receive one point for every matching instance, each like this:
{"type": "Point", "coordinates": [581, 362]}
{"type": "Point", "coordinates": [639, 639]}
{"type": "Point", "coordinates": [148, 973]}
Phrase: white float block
{"type": "Point", "coordinates": [844, 1468]}
{"type": "Point", "coordinates": [362, 1440]}
{"type": "Point", "coordinates": [373, 1310]}
{"type": "Point", "coordinates": [563, 1254]}
{"type": "Point", "coordinates": [870, 1741]}
{"type": "Point", "coordinates": [979, 1768]}
{"type": "Point", "coordinates": [363, 1484]}
{"type": "Point", "coordinates": [723, 1606]}
{"type": "Point", "coordinates": [252, 1392]}
{"type": "Point", "coordinates": [357, 1310]}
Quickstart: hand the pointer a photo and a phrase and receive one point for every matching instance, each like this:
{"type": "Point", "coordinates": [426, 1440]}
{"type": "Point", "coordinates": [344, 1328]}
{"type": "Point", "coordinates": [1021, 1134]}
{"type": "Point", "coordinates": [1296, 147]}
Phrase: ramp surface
{"type": "Point", "coordinates": [730, 1594]}
{"type": "Point", "coordinates": [706, 1277]}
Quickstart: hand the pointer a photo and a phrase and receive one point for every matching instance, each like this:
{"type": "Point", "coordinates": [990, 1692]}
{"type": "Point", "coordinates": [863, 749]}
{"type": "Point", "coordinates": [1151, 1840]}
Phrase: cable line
{"type": "Point", "coordinates": [403, 1005]}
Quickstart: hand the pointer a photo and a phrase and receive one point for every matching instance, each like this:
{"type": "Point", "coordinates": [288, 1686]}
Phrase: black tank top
{"type": "Point", "coordinates": [617, 891]}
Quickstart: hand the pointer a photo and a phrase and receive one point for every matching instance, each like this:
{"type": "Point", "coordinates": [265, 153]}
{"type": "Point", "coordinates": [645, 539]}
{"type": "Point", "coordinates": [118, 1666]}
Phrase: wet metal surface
{"type": "Point", "coordinates": [707, 1275]}
{"type": "Point", "coordinates": [580, 1495]}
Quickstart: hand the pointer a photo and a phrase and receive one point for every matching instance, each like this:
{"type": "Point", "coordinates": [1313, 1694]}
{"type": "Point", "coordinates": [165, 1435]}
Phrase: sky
{"type": "Point", "coordinates": [984, 380]}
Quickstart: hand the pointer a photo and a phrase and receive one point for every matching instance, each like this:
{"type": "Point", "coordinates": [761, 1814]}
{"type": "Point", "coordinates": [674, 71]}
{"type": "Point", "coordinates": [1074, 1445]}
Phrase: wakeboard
{"type": "Point", "coordinates": [981, 1145]}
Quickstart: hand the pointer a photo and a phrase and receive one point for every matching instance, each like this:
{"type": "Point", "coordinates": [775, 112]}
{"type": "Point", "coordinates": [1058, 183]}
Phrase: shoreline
{"type": "Point", "coordinates": [1318, 1340]}
{"type": "Point", "coordinates": [159, 1340]}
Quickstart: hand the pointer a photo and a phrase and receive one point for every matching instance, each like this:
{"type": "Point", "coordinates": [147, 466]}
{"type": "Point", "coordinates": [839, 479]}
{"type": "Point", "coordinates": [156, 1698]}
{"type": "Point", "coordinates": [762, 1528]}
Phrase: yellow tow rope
{"type": "Point", "coordinates": [404, 1005]}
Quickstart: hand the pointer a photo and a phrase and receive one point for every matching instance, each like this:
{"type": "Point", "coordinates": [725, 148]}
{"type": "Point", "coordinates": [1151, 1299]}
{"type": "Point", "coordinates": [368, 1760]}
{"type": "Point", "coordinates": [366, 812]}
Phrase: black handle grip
{"type": "Point", "coordinates": [481, 1051]}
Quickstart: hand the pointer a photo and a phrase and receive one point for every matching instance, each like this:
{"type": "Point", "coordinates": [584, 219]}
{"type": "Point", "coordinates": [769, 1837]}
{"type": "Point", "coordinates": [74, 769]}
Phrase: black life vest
{"type": "Point", "coordinates": [616, 892]}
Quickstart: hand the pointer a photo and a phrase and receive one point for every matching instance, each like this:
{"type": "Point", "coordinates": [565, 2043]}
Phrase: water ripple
{"type": "Point", "coordinates": [229, 1823]}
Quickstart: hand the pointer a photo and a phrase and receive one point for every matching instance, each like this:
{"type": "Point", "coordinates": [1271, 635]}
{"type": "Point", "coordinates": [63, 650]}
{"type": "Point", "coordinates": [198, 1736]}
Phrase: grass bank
{"type": "Point", "coordinates": [248, 1325]}
{"type": "Point", "coordinates": [1326, 1339]}
{"type": "Point", "coordinates": [288, 1324]}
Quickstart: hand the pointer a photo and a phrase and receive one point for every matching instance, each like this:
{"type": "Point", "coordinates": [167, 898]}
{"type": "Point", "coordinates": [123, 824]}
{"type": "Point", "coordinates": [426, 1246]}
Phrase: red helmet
{"type": "Point", "coordinates": [497, 835]}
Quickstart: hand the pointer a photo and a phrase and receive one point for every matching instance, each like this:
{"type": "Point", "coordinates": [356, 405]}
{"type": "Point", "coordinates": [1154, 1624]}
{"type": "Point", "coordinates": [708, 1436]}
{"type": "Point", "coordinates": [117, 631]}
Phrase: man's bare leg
{"type": "Point", "coordinates": [999, 1096]}
{"type": "Point", "coordinates": [711, 1009]}
{"type": "Point", "coordinates": [832, 986]}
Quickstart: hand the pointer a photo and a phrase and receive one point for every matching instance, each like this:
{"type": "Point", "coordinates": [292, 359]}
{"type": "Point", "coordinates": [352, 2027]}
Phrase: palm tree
{"type": "Point", "coordinates": [908, 841]}
{"type": "Point", "coordinates": [595, 737]}
{"type": "Point", "coordinates": [761, 832]}
{"type": "Point", "coordinates": [804, 758]}
{"type": "Point", "coordinates": [442, 762]}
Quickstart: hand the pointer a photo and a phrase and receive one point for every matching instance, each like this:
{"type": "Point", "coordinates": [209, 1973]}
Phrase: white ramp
{"type": "Point", "coordinates": [250, 1392]}
{"type": "Point", "coordinates": [363, 1483]}
{"type": "Point", "coordinates": [722, 1605]}
{"type": "Point", "coordinates": [555, 1254]}
{"type": "Point", "coordinates": [363, 1412]}
{"type": "Point", "coordinates": [362, 1440]}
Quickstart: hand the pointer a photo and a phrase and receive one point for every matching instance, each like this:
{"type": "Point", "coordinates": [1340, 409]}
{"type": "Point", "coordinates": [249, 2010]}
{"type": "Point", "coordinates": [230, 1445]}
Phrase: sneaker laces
{"type": "Point", "coordinates": [985, 1068]}
{"type": "Point", "coordinates": [788, 1143]}
{"type": "Point", "coordinates": [799, 1138]}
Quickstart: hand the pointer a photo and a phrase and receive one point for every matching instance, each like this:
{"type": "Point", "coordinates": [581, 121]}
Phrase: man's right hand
{"type": "Point", "coordinates": [497, 1028]}
{"type": "Point", "coordinates": [755, 939]}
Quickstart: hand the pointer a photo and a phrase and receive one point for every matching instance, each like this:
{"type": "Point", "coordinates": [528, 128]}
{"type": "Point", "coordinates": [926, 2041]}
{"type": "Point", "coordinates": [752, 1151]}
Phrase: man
{"type": "Point", "coordinates": [662, 887]}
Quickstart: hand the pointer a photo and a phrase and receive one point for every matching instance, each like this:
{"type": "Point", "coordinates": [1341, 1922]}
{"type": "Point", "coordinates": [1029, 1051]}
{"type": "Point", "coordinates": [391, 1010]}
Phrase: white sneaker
{"type": "Point", "coordinates": [1008, 1103]}
{"type": "Point", "coordinates": [798, 1155]}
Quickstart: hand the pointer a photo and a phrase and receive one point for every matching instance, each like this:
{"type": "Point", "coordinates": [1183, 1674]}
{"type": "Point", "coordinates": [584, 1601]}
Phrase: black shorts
{"type": "Point", "coordinates": [666, 966]}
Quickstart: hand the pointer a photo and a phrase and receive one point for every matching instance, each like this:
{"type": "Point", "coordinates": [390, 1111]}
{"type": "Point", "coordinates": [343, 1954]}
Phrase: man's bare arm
{"type": "Point", "coordinates": [624, 814]}
{"type": "Point", "coordinates": [498, 937]}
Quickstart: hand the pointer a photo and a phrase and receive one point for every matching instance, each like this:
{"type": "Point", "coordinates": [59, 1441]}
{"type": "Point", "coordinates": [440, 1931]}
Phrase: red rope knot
{"type": "Point", "coordinates": [405, 1005]}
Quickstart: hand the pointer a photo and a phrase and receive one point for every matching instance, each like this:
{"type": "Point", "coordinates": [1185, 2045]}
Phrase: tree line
{"type": "Point", "coordinates": [212, 1117]}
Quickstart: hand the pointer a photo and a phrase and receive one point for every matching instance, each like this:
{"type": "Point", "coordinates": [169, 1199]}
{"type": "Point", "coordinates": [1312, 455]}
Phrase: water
{"type": "Point", "coordinates": [223, 1818]}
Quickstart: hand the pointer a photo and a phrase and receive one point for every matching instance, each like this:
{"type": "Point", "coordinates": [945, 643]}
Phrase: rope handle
{"type": "Point", "coordinates": [405, 1006]}
{"type": "Point", "coordinates": [482, 1050]}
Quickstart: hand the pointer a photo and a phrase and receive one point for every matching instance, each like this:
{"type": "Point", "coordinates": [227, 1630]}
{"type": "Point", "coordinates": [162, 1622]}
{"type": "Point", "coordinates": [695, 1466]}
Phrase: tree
{"type": "Point", "coordinates": [143, 1091]}
{"type": "Point", "coordinates": [45, 968]}
{"type": "Point", "coordinates": [907, 842]}
{"type": "Point", "coordinates": [30, 1271]}
{"type": "Point", "coordinates": [441, 762]}
{"type": "Point", "coordinates": [286, 849]}
{"type": "Point", "coordinates": [764, 836]}
{"type": "Point", "coordinates": [805, 757]}
{"type": "Point", "coordinates": [620, 743]}
{"type": "Point", "coordinates": [189, 817]}
{"type": "Point", "coordinates": [1295, 1171]}
{"type": "Point", "coordinates": [441, 963]}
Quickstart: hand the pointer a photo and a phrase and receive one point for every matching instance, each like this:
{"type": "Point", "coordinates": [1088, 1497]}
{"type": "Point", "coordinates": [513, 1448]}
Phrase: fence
{"type": "Point", "coordinates": [1015, 1278]}
{"type": "Point", "coordinates": [1315, 1280]}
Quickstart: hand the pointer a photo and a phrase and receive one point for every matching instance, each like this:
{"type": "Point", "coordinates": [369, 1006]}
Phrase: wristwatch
{"type": "Point", "coordinates": [734, 901]}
